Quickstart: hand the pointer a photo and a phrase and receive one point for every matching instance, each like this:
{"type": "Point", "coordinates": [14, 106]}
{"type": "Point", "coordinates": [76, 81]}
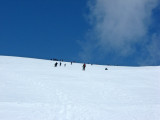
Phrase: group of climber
{"type": "Point", "coordinates": [55, 65]}
{"type": "Point", "coordinates": [83, 67]}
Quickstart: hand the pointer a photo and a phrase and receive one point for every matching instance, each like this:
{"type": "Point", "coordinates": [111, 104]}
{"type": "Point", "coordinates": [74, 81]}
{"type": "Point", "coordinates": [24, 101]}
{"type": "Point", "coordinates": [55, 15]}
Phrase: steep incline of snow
{"type": "Point", "coordinates": [33, 89]}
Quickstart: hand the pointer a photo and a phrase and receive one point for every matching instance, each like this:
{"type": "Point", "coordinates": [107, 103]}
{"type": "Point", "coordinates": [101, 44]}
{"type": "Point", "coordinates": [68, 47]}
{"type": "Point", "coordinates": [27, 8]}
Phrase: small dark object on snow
{"type": "Point", "coordinates": [55, 65]}
{"type": "Point", "coordinates": [84, 66]}
{"type": "Point", "coordinates": [106, 69]}
{"type": "Point", "coordinates": [60, 63]}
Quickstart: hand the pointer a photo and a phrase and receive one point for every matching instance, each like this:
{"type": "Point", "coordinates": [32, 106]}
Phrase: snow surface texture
{"type": "Point", "coordinates": [33, 89]}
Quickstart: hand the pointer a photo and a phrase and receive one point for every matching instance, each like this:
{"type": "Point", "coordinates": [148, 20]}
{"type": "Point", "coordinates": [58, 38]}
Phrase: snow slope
{"type": "Point", "coordinates": [33, 89]}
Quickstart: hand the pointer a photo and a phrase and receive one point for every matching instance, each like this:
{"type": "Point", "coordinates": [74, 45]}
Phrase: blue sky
{"type": "Point", "coordinates": [123, 32]}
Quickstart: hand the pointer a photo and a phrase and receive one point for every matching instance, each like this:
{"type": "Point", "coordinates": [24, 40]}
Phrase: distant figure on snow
{"type": "Point", "coordinates": [84, 66]}
{"type": "Point", "coordinates": [71, 63]}
{"type": "Point", "coordinates": [55, 65]}
{"type": "Point", "coordinates": [106, 69]}
{"type": "Point", "coordinates": [65, 65]}
{"type": "Point", "coordinates": [60, 64]}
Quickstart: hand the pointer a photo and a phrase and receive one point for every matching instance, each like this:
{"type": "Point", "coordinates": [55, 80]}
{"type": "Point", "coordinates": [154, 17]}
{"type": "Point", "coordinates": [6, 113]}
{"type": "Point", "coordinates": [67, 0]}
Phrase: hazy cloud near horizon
{"type": "Point", "coordinates": [117, 26]}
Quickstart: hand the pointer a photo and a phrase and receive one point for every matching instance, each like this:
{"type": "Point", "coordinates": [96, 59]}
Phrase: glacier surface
{"type": "Point", "coordinates": [33, 89]}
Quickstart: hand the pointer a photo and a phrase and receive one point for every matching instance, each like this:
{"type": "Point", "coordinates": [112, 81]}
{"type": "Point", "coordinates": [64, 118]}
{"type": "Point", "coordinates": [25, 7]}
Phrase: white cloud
{"type": "Point", "coordinates": [117, 25]}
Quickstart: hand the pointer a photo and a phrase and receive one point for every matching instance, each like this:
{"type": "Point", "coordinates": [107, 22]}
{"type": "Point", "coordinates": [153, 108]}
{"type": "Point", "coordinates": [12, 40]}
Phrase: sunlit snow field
{"type": "Point", "coordinates": [33, 89]}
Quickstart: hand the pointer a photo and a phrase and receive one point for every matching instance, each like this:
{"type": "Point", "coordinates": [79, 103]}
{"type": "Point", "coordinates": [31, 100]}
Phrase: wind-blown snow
{"type": "Point", "coordinates": [33, 89]}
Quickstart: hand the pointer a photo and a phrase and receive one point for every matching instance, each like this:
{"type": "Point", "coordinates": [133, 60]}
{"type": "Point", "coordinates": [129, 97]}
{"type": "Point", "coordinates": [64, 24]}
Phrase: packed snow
{"type": "Point", "coordinates": [33, 89]}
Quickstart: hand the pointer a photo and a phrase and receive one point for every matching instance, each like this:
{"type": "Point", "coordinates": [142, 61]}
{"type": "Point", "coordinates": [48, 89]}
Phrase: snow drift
{"type": "Point", "coordinates": [33, 89]}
